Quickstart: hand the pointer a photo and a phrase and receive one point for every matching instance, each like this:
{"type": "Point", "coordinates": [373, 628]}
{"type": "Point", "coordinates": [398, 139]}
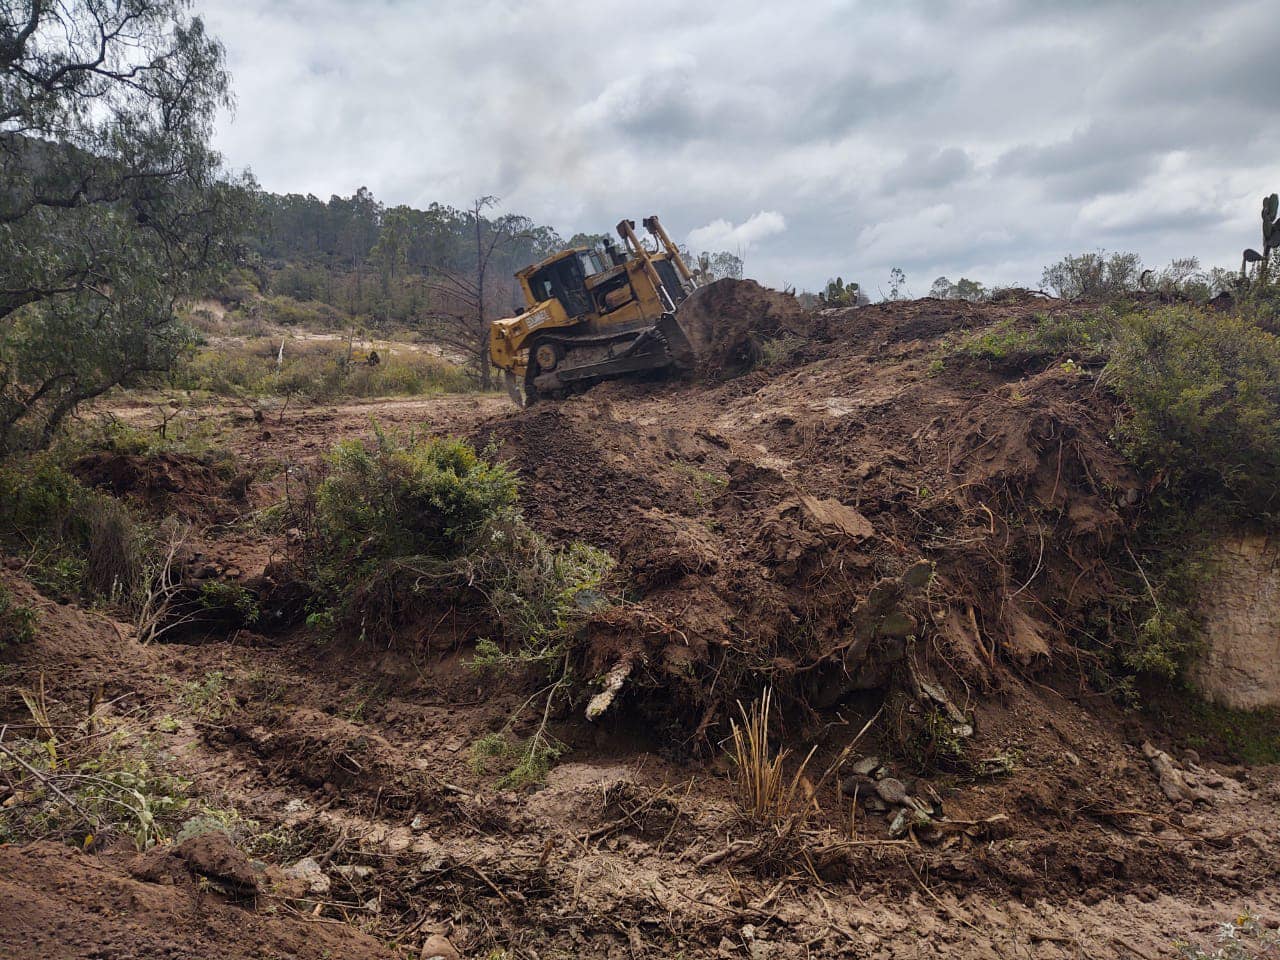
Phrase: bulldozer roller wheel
{"type": "Point", "coordinates": [547, 356]}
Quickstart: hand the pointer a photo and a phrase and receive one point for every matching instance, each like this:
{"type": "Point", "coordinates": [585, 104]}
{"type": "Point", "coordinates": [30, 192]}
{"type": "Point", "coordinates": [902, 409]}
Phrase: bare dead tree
{"type": "Point", "coordinates": [463, 299]}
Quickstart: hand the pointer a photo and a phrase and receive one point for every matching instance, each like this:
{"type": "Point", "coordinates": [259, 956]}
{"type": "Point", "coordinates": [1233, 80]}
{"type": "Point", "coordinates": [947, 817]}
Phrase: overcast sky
{"type": "Point", "coordinates": [981, 139]}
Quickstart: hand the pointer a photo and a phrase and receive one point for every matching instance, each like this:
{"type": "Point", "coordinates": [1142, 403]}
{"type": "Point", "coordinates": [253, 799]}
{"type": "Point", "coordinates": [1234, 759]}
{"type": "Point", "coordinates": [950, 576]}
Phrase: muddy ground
{"type": "Point", "coordinates": [751, 516]}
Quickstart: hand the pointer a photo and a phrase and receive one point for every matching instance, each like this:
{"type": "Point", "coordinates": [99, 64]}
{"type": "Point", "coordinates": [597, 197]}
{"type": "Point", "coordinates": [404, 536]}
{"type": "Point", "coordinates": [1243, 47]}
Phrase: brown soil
{"type": "Point", "coordinates": [60, 903]}
{"type": "Point", "coordinates": [766, 527]}
{"type": "Point", "coordinates": [166, 483]}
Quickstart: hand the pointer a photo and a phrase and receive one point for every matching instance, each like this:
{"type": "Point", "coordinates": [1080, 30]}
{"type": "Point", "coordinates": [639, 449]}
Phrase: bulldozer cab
{"type": "Point", "coordinates": [565, 279]}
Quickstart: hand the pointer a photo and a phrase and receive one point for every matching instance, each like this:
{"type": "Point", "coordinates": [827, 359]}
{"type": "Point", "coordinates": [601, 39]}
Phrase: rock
{"type": "Point", "coordinates": [1190, 756]}
{"type": "Point", "coordinates": [892, 791]}
{"type": "Point", "coordinates": [438, 947]}
{"type": "Point", "coordinates": [311, 873]}
{"type": "Point", "coordinates": [1239, 602]}
{"type": "Point", "coordinates": [1178, 786]}
{"type": "Point", "coordinates": [858, 786]}
{"type": "Point", "coordinates": [864, 766]}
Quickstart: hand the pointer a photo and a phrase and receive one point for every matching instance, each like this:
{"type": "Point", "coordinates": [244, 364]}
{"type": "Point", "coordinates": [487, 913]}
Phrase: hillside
{"type": "Point", "coordinates": [905, 520]}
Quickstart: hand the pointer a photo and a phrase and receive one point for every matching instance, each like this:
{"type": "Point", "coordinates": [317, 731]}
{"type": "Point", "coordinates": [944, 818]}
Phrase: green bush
{"type": "Point", "coordinates": [80, 542]}
{"type": "Point", "coordinates": [431, 497]}
{"type": "Point", "coordinates": [391, 522]}
{"type": "Point", "coordinates": [401, 527]}
{"type": "Point", "coordinates": [17, 621]}
{"type": "Point", "coordinates": [1203, 392]}
{"type": "Point", "coordinates": [1016, 343]}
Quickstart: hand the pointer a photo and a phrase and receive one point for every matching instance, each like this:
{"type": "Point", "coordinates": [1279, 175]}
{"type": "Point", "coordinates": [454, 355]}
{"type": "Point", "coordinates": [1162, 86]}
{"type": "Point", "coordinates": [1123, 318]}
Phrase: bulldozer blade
{"type": "Point", "coordinates": [680, 347]}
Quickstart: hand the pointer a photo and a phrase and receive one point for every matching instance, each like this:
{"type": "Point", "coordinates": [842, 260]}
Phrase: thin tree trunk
{"type": "Point", "coordinates": [486, 374]}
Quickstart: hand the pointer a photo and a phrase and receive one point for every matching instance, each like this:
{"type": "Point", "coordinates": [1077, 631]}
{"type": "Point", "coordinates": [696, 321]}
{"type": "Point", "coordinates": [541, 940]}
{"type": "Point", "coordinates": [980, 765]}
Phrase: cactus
{"type": "Point", "coordinates": [1270, 225]}
{"type": "Point", "coordinates": [1270, 239]}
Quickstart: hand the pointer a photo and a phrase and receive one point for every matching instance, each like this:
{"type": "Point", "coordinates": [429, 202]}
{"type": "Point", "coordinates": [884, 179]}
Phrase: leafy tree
{"type": "Point", "coordinates": [717, 266]}
{"type": "Point", "coordinates": [390, 253]}
{"type": "Point", "coordinates": [110, 206]}
{"type": "Point", "coordinates": [595, 241]}
{"type": "Point", "coordinates": [964, 289]}
{"type": "Point", "coordinates": [1094, 275]}
{"type": "Point", "coordinates": [897, 284]}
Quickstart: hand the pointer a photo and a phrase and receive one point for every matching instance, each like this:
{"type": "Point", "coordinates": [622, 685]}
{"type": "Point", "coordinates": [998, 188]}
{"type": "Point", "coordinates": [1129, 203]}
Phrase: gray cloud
{"type": "Point", "coordinates": [929, 170]}
{"type": "Point", "coordinates": [946, 137]}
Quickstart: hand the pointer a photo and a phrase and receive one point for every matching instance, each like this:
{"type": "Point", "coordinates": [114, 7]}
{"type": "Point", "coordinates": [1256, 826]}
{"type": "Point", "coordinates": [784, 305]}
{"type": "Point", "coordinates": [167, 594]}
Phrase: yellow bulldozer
{"type": "Point", "coordinates": [592, 315]}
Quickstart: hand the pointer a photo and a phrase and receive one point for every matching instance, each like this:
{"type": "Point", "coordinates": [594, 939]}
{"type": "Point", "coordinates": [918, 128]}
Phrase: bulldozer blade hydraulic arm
{"type": "Point", "coordinates": [627, 231]}
{"type": "Point", "coordinates": [659, 234]}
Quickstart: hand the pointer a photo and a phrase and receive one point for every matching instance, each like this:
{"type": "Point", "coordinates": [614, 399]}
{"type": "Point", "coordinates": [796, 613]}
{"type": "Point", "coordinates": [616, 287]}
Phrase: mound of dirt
{"type": "Point", "coordinates": [165, 483]}
{"type": "Point", "coordinates": [62, 903]}
{"type": "Point", "coordinates": [728, 320]}
{"type": "Point", "coordinates": [209, 857]}
{"type": "Point", "coordinates": [765, 522]}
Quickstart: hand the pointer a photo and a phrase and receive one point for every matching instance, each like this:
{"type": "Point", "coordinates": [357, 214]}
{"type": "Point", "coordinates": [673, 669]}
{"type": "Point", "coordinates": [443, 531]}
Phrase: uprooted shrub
{"type": "Point", "coordinates": [404, 530]}
{"type": "Point", "coordinates": [1200, 417]}
{"type": "Point", "coordinates": [17, 620]}
{"type": "Point", "coordinates": [93, 780]}
{"type": "Point", "coordinates": [403, 527]}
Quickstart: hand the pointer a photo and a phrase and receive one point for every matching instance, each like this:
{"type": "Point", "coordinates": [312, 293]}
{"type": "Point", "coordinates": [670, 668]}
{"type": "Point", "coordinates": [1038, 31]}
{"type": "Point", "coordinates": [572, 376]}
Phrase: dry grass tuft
{"type": "Point", "coordinates": [765, 793]}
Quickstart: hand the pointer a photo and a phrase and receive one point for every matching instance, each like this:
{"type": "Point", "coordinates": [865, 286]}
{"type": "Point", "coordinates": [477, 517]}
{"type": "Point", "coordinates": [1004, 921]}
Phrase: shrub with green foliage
{"type": "Point", "coordinates": [399, 527]}
{"type": "Point", "coordinates": [17, 621]}
{"type": "Point", "coordinates": [80, 542]}
{"type": "Point", "coordinates": [1087, 336]}
{"type": "Point", "coordinates": [301, 313]}
{"type": "Point", "coordinates": [1094, 275]}
{"type": "Point", "coordinates": [429, 497]}
{"type": "Point", "coordinates": [402, 529]}
{"type": "Point", "coordinates": [1150, 627]}
{"type": "Point", "coordinates": [1203, 391]}
{"type": "Point", "coordinates": [1202, 420]}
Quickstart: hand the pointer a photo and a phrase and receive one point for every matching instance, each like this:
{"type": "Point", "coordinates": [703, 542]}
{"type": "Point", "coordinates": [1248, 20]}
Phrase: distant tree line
{"type": "Point", "coordinates": [1097, 275]}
